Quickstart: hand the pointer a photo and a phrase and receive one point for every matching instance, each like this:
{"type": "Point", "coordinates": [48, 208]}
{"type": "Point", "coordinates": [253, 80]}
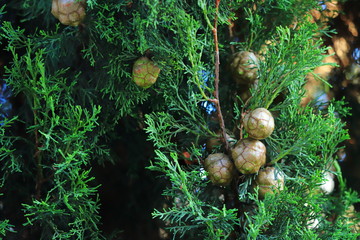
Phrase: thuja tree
{"type": "Point", "coordinates": [216, 85]}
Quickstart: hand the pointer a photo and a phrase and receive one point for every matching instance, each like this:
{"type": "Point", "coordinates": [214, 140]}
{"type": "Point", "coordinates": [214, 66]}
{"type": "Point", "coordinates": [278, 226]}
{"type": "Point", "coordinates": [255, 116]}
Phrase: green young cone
{"type": "Point", "coordinates": [145, 72]}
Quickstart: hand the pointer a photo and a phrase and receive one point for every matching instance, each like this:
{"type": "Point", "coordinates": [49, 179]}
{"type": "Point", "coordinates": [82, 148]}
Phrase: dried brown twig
{"type": "Point", "coordinates": [216, 99]}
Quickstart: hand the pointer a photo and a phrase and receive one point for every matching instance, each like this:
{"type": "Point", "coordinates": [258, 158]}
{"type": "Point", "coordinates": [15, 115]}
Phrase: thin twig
{"type": "Point", "coordinates": [217, 104]}
{"type": "Point", "coordinates": [231, 35]}
{"type": "Point", "coordinates": [217, 73]}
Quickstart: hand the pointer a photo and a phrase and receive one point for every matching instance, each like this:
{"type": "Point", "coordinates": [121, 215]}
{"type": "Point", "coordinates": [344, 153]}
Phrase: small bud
{"type": "Point", "coordinates": [259, 123]}
{"type": "Point", "coordinates": [220, 168]}
{"type": "Point", "coordinates": [187, 158]}
{"type": "Point", "coordinates": [145, 72]}
{"type": "Point", "coordinates": [249, 155]}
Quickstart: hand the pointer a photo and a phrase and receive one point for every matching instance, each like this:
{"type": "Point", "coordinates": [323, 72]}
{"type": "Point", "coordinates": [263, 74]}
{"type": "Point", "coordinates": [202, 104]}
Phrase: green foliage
{"type": "Point", "coordinates": [11, 161]}
{"type": "Point", "coordinates": [262, 19]}
{"type": "Point", "coordinates": [301, 214]}
{"type": "Point", "coordinates": [5, 227]}
{"type": "Point", "coordinates": [31, 10]}
{"type": "Point", "coordinates": [61, 137]}
{"type": "Point", "coordinates": [75, 86]}
{"type": "Point", "coordinates": [287, 63]}
{"type": "Point", "coordinates": [303, 156]}
{"type": "Point", "coordinates": [56, 119]}
{"type": "Point", "coordinates": [190, 212]}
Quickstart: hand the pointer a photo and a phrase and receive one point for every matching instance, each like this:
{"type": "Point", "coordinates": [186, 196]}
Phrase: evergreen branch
{"type": "Point", "coordinates": [286, 63]}
{"type": "Point", "coordinates": [216, 99]}
{"type": "Point", "coordinates": [77, 86]}
{"type": "Point", "coordinates": [193, 211]}
{"type": "Point", "coordinates": [217, 70]}
{"type": "Point", "coordinates": [6, 227]}
{"type": "Point", "coordinates": [315, 146]}
{"type": "Point", "coordinates": [192, 113]}
{"type": "Point", "coordinates": [256, 223]}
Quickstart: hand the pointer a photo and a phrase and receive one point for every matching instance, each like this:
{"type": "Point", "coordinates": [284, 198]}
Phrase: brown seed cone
{"type": "Point", "coordinates": [220, 168]}
{"type": "Point", "coordinates": [259, 123]}
{"type": "Point", "coordinates": [69, 12]}
{"type": "Point", "coordinates": [145, 72]}
{"type": "Point", "coordinates": [249, 155]}
{"type": "Point", "coordinates": [269, 180]}
{"type": "Point", "coordinates": [244, 67]}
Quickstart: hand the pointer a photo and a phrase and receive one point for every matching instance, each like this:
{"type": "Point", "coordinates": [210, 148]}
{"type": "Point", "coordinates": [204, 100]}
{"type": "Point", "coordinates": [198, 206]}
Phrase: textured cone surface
{"type": "Point", "coordinates": [259, 123]}
{"type": "Point", "coordinates": [69, 12]}
{"type": "Point", "coordinates": [220, 168]}
{"type": "Point", "coordinates": [145, 72]}
{"type": "Point", "coordinates": [249, 155]}
{"type": "Point", "coordinates": [244, 67]}
{"type": "Point", "coordinates": [269, 180]}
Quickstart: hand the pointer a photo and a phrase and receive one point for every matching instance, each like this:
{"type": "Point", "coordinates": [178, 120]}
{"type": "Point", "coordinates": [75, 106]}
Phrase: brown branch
{"type": "Point", "coordinates": [218, 108]}
{"type": "Point", "coordinates": [217, 71]}
{"type": "Point", "coordinates": [231, 34]}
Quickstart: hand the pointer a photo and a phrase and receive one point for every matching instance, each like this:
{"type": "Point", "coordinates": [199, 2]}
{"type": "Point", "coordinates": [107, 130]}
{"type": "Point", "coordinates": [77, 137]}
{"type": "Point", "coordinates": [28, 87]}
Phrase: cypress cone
{"type": "Point", "coordinates": [244, 67]}
{"type": "Point", "coordinates": [145, 72]}
{"type": "Point", "coordinates": [249, 155]}
{"type": "Point", "coordinates": [269, 180]}
{"type": "Point", "coordinates": [220, 168]}
{"type": "Point", "coordinates": [259, 123]}
{"type": "Point", "coordinates": [69, 12]}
